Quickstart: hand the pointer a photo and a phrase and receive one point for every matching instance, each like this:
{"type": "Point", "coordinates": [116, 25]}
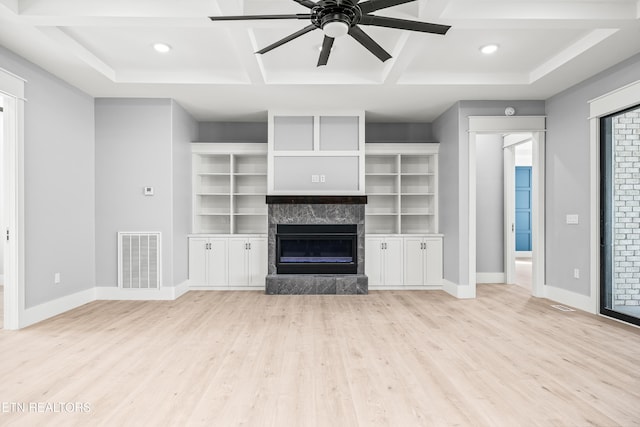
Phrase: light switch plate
{"type": "Point", "coordinates": [148, 191]}
{"type": "Point", "coordinates": [572, 219]}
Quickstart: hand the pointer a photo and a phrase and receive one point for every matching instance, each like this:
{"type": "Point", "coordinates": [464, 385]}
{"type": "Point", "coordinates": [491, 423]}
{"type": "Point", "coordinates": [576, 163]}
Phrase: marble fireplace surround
{"type": "Point", "coordinates": [315, 210]}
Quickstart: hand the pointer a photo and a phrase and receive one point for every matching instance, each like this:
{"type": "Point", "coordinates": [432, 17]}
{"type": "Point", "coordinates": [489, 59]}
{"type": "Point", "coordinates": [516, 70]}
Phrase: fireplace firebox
{"type": "Point", "coordinates": [316, 249]}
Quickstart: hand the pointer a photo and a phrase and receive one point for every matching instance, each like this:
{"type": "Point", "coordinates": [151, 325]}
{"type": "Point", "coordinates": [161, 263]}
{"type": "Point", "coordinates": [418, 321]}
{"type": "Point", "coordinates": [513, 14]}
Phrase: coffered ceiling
{"type": "Point", "coordinates": [105, 49]}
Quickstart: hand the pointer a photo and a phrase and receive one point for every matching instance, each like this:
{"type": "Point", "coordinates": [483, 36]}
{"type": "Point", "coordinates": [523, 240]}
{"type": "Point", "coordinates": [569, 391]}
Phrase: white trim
{"type": "Point", "coordinates": [459, 291]}
{"type": "Point", "coordinates": [55, 307]}
{"type": "Point", "coordinates": [12, 87]}
{"type": "Point", "coordinates": [509, 162]}
{"type": "Point", "coordinates": [406, 288]}
{"type": "Point", "coordinates": [167, 293]}
{"type": "Point", "coordinates": [181, 289]}
{"type": "Point", "coordinates": [524, 254]}
{"type": "Point", "coordinates": [225, 288]}
{"type": "Point", "coordinates": [609, 103]}
{"type": "Point", "coordinates": [594, 212]}
{"type": "Point", "coordinates": [517, 124]}
{"type": "Point", "coordinates": [572, 299]}
{"type": "Point", "coordinates": [490, 278]}
{"type": "Point", "coordinates": [507, 124]}
{"type": "Point", "coordinates": [616, 100]}
{"type": "Point", "coordinates": [1, 280]}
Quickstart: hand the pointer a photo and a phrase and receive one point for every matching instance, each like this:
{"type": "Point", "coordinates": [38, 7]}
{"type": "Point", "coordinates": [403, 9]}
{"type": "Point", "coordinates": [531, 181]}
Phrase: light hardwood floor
{"type": "Point", "coordinates": [392, 358]}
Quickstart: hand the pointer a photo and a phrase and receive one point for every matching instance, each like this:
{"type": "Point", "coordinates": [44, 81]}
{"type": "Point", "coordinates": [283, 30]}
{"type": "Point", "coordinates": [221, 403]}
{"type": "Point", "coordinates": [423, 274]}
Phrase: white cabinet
{"type": "Point", "coordinates": [383, 261]}
{"type": "Point", "coordinates": [247, 261]}
{"type": "Point", "coordinates": [207, 261]}
{"type": "Point", "coordinates": [422, 261]}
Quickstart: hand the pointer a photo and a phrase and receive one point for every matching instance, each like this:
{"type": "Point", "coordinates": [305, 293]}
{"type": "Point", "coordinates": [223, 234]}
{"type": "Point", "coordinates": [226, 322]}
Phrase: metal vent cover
{"type": "Point", "coordinates": [139, 260]}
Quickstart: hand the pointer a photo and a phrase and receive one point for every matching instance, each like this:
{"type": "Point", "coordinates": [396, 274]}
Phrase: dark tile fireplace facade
{"type": "Point", "coordinates": [315, 210]}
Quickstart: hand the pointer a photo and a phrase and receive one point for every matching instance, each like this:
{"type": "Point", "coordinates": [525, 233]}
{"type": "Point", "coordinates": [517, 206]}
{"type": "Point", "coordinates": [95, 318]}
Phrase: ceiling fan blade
{"type": "Point", "coordinates": [254, 17]}
{"type": "Point", "coordinates": [366, 41]}
{"type": "Point", "coordinates": [287, 39]}
{"type": "Point", "coordinates": [327, 44]}
{"type": "Point", "coordinates": [373, 5]}
{"type": "Point", "coordinates": [403, 24]}
{"type": "Point", "coordinates": [305, 3]}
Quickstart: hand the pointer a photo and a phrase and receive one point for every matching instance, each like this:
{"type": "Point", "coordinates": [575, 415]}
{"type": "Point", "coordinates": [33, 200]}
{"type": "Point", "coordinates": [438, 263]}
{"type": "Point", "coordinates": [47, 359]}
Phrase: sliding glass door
{"type": "Point", "coordinates": [620, 215]}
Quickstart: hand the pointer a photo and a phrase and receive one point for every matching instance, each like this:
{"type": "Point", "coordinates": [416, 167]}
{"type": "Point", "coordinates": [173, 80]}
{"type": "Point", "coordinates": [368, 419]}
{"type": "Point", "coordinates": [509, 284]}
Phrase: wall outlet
{"type": "Point", "coordinates": [576, 273]}
{"type": "Point", "coordinates": [315, 178]}
{"type": "Point", "coordinates": [56, 278]}
{"type": "Point", "coordinates": [322, 178]}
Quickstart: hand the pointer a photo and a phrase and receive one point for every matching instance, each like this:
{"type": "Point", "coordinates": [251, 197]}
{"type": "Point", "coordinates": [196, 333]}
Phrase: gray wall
{"type": "Point", "coordinates": [452, 128]}
{"type": "Point", "coordinates": [445, 130]}
{"type": "Point", "coordinates": [133, 150]}
{"type": "Point", "coordinates": [567, 174]}
{"type": "Point", "coordinates": [59, 184]}
{"type": "Point", "coordinates": [399, 132]}
{"type": "Point", "coordinates": [489, 204]}
{"type": "Point", "coordinates": [184, 130]}
{"type": "Point", "coordinates": [232, 132]}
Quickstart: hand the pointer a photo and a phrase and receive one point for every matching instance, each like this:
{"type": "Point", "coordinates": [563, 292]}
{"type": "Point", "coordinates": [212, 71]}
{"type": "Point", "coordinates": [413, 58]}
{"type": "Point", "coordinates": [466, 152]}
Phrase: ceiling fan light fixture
{"type": "Point", "coordinates": [489, 49]}
{"type": "Point", "coordinates": [335, 29]}
{"type": "Point", "coordinates": [161, 47]}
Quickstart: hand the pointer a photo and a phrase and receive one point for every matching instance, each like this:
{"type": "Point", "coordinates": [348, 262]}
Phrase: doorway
{"type": "Point", "coordinates": [519, 199]}
{"type": "Point", "coordinates": [535, 126]}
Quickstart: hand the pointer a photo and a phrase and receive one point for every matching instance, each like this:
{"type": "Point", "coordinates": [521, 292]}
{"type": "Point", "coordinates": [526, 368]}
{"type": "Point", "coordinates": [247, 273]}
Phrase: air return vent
{"type": "Point", "coordinates": [139, 260]}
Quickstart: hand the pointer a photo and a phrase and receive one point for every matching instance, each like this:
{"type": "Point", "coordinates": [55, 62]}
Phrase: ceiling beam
{"type": "Point", "coordinates": [402, 55]}
{"type": "Point", "coordinates": [535, 10]}
{"type": "Point", "coordinates": [570, 52]}
{"type": "Point", "coordinates": [69, 44]}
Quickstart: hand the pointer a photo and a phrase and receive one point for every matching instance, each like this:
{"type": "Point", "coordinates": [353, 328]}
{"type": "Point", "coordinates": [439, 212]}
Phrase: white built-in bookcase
{"type": "Point", "coordinates": [229, 188]}
{"type": "Point", "coordinates": [402, 188]}
{"type": "Point", "coordinates": [311, 153]}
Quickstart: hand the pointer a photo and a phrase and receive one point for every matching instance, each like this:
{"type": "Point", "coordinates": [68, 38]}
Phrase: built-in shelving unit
{"type": "Point", "coordinates": [402, 188]}
{"type": "Point", "coordinates": [229, 188]}
{"type": "Point", "coordinates": [316, 153]}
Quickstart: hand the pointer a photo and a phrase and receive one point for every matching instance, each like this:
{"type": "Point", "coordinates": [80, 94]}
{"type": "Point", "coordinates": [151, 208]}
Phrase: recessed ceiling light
{"type": "Point", "coordinates": [489, 49]}
{"type": "Point", "coordinates": [162, 47]}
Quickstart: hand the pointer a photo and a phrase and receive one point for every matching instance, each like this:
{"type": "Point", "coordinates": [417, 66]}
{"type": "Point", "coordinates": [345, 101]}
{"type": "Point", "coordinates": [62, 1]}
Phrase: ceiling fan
{"type": "Point", "coordinates": [337, 18]}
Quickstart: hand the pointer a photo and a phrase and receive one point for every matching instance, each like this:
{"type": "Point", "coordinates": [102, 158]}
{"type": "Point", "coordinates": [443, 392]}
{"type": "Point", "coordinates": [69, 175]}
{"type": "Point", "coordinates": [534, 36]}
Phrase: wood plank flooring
{"type": "Point", "coordinates": [392, 358]}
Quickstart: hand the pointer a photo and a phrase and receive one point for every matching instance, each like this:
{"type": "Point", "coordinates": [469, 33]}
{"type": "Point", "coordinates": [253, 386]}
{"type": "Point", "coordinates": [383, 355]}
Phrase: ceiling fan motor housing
{"type": "Point", "coordinates": [331, 11]}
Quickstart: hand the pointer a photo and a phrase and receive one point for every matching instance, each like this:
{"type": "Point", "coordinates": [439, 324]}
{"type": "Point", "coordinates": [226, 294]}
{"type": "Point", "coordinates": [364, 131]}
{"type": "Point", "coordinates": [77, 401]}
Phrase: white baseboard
{"type": "Point", "coordinates": [225, 288]}
{"type": "Point", "coordinates": [407, 288]}
{"type": "Point", "coordinates": [458, 291]}
{"type": "Point", "coordinates": [572, 299]}
{"type": "Point", "coordinates": [490, 277]}
{"type": "Point", "coordinates": [181, 289]}
{"type": "Point", "coordinates": [114, 293]}
{"type": "Point", "coordinates": [57, 306]}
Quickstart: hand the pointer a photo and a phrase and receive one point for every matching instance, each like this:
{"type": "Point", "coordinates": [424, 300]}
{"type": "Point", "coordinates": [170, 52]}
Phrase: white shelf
{"type": "Point", "coordinates": [229, 182]}
{"type": "Point", "coordinates": [402, 184]}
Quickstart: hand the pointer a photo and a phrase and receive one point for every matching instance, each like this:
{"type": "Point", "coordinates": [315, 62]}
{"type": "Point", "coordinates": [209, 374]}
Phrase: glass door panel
{"type": "Point", "coordinates": [620, 215]}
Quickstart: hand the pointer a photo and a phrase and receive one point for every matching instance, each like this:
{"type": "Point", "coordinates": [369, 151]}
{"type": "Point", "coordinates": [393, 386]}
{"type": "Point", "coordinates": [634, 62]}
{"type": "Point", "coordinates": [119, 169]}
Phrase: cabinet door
{"type": "Point", "coordinates": [217, 262]}
{"type": "Point", "coordinates": [392, 261]}
{"type": "Point", "coordinates": [257, 265]}
{"type": "Point", "coordinates": [373, 260]}
{"type": "Point", "coordinates": [238, 249]}
{"type": "Point", "coordinates": [413, 261]}
{"type": "Point", "coordinates": [433, 266]}
{"type": "Point", "coordinates": [198, 260]}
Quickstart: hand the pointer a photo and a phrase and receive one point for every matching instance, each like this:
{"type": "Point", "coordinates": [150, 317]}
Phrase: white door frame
{"type": "Point", "coordinates": [514, 124]}
{"type": "Point", "coordinates": [12, 91]}
{"type": "Point", "coordinates": [509, 156]}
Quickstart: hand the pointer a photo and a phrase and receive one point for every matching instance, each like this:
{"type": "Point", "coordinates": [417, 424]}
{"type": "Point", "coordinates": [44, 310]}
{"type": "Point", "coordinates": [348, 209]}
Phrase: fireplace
{"type": "Point", "coordinates": [316, 249]}
{"type": "Point", "coordinates": [316, 245]}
